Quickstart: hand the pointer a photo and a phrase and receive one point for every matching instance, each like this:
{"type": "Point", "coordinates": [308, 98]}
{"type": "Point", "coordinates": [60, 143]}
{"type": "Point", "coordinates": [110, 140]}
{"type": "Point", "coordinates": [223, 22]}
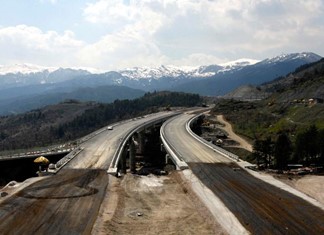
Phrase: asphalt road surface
{"type": "Point", "coordinates": [185, 145]}
{"type": "Point", "coordinates": [68, 202]}
{"type": "Point", "coordinates": [261, 208]}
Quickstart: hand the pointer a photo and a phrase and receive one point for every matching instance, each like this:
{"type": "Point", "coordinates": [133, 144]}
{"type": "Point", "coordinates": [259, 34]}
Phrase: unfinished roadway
{"type": "Point", "coordinates": [241, 202]}
{"type": "Point", "coordinates": [68, 202]}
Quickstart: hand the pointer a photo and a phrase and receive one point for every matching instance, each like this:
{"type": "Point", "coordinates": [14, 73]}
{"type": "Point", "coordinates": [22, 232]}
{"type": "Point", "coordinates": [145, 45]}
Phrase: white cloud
{"type": "Point", "coordinates": [30, 44]}
{"type": "Point", "coordinates": [186, 30]}
{"type": "Point", "coordinates": [124, 49]}
{"type": "Point", "coordinates": [198, 59]}
{"type": "Point", "coordinates": [50, 1]}
{"type": "Point", "coordinates": [181, 32]}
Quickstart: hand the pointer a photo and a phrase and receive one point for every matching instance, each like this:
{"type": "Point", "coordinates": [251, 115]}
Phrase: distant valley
{"type": "Point", "coordinates": [26, 87]}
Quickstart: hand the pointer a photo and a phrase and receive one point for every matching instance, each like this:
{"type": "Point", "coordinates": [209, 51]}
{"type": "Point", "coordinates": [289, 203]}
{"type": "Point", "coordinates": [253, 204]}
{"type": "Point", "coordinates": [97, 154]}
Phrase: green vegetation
{"type": "Point", "coordinates": [288, 126]}
{"type": "Point", "coordinates": [123, 109]}
{"type": "Point", "coordinates": [309, 146]}
{"type": "Point", "coordinates": [280, 133]}
{"type": "Point", "coordinates": [71, 120]}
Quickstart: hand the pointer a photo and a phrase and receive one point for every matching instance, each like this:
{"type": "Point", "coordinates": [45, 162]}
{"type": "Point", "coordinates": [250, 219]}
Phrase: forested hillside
{"type": "Point", "coordinates": [72, 119]}
{"type": "Point", "coordinates": [22, 101]}
{"type": "Point", "coordinates": [287, 127]}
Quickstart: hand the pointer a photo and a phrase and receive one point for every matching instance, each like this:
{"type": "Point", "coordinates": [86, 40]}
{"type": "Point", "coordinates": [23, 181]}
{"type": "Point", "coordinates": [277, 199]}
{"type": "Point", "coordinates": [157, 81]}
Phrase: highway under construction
{"type": "Point", "coordinates": [215, 195]}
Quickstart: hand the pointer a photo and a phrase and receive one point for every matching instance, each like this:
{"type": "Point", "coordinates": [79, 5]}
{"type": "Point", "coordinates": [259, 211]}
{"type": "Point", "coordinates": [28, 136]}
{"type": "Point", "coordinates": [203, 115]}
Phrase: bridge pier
{"type": "Point", "coordinates": [132, 153]}
{"type": "Point", "coordinates": [139, 138]}
{"type": "Point", "coordinates": [141, 142]}
{"type": "Point", "coordinates": [123, 169]}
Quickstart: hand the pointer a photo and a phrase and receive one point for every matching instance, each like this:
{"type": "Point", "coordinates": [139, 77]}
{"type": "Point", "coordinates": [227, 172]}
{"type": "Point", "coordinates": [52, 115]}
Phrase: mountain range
{"type": "Point", "coordinates": [25, 87]}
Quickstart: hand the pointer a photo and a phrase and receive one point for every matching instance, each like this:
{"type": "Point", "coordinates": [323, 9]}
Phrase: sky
{"type": "Point", "coordinates": [117, 34]}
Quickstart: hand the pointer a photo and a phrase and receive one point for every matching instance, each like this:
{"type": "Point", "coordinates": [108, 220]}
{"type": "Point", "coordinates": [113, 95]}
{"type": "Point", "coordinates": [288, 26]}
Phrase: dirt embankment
{"type": "Point", "coordinates": [153, 205]}
{"type": "Point", "coordinates": [311, 185]}
{"type": "Point", "coordinates": [228, 128]}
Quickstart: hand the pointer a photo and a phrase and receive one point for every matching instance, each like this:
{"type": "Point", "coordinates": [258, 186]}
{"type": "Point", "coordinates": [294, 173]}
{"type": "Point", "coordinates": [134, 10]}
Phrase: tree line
{"type": "Point", "coordinates": [307, 148]}
{"type": "Point", "coordinates": [123, 109]}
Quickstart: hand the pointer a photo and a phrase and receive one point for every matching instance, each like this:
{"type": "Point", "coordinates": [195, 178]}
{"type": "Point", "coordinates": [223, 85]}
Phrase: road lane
{"type": "Point", "coordinates": [261, 208]}
{"type": "Point", "coordinates": [186, 146]}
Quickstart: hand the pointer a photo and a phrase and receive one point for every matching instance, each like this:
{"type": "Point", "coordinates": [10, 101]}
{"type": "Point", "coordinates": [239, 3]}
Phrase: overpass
{"type": "Point", "coordinates": [119, 159]}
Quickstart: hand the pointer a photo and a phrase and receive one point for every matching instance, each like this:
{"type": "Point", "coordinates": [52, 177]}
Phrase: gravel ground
{"type": "Point", "coordinates": [153, 205]}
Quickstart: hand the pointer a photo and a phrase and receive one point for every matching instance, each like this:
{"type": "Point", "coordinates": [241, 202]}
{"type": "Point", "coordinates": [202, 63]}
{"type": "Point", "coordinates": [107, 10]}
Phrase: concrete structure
{"type": "Point", "coordinates": [128, 144]}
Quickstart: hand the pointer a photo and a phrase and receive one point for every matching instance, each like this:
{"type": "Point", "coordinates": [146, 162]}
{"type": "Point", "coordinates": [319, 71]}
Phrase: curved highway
{"type": "Point", "coordinates": [68, 202]}
{"type": "Point", "coordinates": [187, 148]}
{"type": "Point", "coordinates": [260, 207]}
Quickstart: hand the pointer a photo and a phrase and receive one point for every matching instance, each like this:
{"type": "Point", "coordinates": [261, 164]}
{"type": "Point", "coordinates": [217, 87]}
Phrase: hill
{"type": "Point", "coordinates": [72, 119]}
{"type": "Point", "coordinates": [304, 83]}
{"type": "Point", "coordinates": [38, 127]}
{"type": "Point", "coordinates": [103, 94]}
{"type": "Point", "coordinates": [296, 101]}
{"type": "Point", "coordinates": [291, 119]}
{"type": "Point", "coordinates": [247, 93]}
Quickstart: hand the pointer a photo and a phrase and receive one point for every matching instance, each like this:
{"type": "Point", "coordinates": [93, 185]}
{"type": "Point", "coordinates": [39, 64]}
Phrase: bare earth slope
{"type": "Point", "coordinates": [228, 128]}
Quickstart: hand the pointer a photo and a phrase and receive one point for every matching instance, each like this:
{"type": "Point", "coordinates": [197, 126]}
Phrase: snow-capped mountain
{"type": "Point", "coordinates": [24, 69]}
{"type": "Point", "coordinates": [254, 74]}
{"type": "Point", "coordinates": [32, 68]}
{"type": "Point", "coordinates": [305, 56]}
{"type": "Point", "coordinates": [146, 78]}
{"type": "Point", "coordinates": [133, 73]}
{"type": "Point", "coordinates": [240, 63]}
{"type": "Point", "coordinates": [174, 71]}
{"type": "Point", "coordinates": [27, 74]}
{"type": "Point", "coordinates": [27, 79]}
{"type": "Point", "coordinates": [237, 64]}
{"type": "Point", "coordinates": [151, 73]}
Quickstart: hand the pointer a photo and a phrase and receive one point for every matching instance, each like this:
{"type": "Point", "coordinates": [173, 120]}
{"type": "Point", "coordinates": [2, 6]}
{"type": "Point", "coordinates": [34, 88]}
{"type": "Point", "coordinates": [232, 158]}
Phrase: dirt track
{"type": "Point", "coordinates": [231, 134]}
{"type": "Point", "coordinates": [260, 207]}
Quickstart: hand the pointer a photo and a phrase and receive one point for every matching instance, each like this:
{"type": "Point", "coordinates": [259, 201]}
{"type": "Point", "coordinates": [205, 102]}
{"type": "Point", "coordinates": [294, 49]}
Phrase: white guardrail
{"type": "Point", "coordinates": [175, 157]}
{"type": "Point", "coordinates": [208, 144]}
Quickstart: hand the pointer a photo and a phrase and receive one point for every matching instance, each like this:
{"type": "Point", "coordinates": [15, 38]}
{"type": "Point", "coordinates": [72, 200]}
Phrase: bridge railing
{"type": "Point", "coordinates": [209, 144]}
{"type": "Point", "coordinates": [175, 156]}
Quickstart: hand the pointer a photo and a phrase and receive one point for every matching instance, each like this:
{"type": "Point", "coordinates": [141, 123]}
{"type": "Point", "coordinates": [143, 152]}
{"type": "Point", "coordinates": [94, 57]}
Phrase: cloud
{"type": "Point", "coordinates": [198, 59]}
{"type": "Point", "coordinates": [50, 1]}
{"type": "Point", "coordinates": [30, 44]}
{"type": "Point", "coordinates": [132, 41]}
{"type": "Point", "coordinates": [188, 32]}
{"type": "Point", "coordinates": [180, 30]}
{"type": "Point", "coordinates": [125, 49]}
